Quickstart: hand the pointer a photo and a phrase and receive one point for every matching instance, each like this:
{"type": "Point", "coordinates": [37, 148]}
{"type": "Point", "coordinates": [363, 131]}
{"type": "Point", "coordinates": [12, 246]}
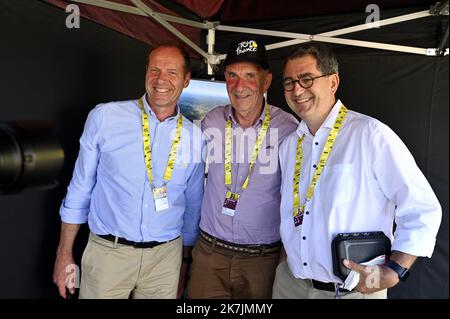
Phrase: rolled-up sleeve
{"type": "Point", "coordinates": [75, 206]}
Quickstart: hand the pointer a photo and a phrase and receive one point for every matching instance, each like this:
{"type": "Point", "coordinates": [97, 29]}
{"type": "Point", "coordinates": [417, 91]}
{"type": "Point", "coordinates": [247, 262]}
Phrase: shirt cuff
{"type": "Point", "coordinates": [422, 248]}
{"type": "Point", "coordinates": [189, 239]}
{"type": "Point", "coordinates": [73, 216]}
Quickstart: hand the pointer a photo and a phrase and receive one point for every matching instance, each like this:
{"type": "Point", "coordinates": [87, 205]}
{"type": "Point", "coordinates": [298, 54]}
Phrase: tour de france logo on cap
{"type": "Point", "coordinates": [246, 46]}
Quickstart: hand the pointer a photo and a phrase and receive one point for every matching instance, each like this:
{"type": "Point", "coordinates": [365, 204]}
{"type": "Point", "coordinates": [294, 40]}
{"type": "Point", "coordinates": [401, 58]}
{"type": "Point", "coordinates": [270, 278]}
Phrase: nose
{"type": "Point", "coordinates": [298, 89]}
{"type": "Point", "coordinates": [239, 84]}
{"type": "Point", "coordinates": [161, 77]}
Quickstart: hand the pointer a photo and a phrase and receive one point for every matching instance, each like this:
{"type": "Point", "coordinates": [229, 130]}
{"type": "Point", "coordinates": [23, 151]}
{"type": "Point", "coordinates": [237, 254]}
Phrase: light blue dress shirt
{"type": "Point", "coordinates": [110, 188]}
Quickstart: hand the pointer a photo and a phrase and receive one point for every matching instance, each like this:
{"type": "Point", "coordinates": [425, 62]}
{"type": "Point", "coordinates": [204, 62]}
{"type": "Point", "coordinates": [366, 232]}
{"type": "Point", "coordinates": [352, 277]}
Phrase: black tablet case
{"type": "Point", "coordinates": [358, 247]}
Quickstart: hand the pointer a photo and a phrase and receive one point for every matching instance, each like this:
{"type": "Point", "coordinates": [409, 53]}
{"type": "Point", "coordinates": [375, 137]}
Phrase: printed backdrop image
{"type": "Point", "coordinates": [202, 96]}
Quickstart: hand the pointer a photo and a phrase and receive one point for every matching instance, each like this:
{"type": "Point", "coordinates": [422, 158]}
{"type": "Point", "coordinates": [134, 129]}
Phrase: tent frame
{"type": "Point", "coordinates": [212, 59]}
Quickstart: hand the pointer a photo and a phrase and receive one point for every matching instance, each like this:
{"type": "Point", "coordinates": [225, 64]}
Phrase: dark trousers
{"type": "Point", "coordinates": [220, 273]}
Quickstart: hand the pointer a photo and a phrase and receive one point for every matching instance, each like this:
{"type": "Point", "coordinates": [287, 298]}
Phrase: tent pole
{"type": "Point", "coordinates": [169, 27]}
{"type": "Point", "coordinates": [330, 37]}
{"type": "Point", "coordinates": [212, 58]}
{"type": "Point", "coordinates": [311, 37]}
{"type": "Point", "coordinates": [133, 10]}
{"type": "Point", "coordinates": [182, 11]}
{"type": "Point", "coordinates": [364, 26]}
{"type": "Point", "coordinates": [440, 50]}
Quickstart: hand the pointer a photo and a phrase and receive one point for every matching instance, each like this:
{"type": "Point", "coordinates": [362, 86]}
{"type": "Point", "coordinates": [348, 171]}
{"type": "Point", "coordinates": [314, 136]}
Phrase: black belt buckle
{"type": "Point", "coordinates": [327, 286]}
{"type": "Point", "coordinates": [255, 250]}
{"type": "Point", "coordinates": [150, 244]}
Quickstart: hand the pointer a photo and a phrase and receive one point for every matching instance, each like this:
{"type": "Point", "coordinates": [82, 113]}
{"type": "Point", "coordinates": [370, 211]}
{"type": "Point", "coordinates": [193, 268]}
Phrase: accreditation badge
{"type": "Point", "coordinates": [229, 205]}
{"type": "Point", "coordinates": [298, 217]}
{"type": "Point", "coordinates": [160, 198]}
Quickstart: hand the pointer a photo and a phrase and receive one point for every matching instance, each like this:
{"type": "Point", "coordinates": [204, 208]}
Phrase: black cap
{"type": "Point", "coordinates": [247, 50]}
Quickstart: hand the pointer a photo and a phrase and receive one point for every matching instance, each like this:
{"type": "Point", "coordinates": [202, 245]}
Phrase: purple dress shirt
{"type": "Point", "coordinates": [257, 215]}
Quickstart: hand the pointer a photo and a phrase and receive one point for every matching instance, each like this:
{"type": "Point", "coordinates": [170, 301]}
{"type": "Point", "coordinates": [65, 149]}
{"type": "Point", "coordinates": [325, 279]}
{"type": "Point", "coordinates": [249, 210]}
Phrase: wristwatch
{"type": "Point", "coordinates": [402, 272]}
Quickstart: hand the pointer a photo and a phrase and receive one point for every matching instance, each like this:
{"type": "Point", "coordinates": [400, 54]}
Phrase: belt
{"type": "Point", "coordinates": [246, 249]}
{"type": "Point", "coordinates": [327, 286]}
{"type": "Point", "coordinates": [144, 244]}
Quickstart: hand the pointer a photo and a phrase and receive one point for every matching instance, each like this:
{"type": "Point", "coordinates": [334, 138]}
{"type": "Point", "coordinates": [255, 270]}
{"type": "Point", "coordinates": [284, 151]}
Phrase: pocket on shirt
{"type": "Point", "coordinates": [337, 184]}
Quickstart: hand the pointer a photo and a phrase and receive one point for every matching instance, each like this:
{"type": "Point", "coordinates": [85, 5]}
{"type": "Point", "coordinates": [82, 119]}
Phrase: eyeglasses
{"type": "Point", "coordinates": [305, 82]}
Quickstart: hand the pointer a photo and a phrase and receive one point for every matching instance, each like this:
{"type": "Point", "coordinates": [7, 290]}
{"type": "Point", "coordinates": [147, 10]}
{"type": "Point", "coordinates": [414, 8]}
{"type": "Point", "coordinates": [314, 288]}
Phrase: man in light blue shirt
{"type": "Point", "coordinates": [138, 182]}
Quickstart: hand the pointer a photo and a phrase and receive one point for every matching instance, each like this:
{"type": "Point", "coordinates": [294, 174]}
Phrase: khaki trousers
{"type": "Point", "coordinates": [221, 273]}
{"type": "Point", "coordinates": [118, 271]}
{"type": "Point", "coordinates": [286, 286]}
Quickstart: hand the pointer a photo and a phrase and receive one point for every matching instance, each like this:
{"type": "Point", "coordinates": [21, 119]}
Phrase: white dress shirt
{"type": "Point", "coordinates": [370, 179]}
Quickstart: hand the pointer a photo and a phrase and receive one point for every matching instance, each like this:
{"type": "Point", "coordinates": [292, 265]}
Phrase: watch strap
{"type": "Point", "coordinates": [402, 272]}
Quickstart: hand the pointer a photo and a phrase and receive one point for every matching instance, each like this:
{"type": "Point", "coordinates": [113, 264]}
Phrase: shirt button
{"type": "Point", "coordinates": [314, 165]}
{"type": "Point", "coordinates": [146, 205]}
{"type": "Point", "coordinates": [304, 238]}
{"type": "Point", "coordinates": [307, 213]}
{"type": "Point", "coordinates": [317, 143]}
{"type": "Point", "coordinates": [305, 264]}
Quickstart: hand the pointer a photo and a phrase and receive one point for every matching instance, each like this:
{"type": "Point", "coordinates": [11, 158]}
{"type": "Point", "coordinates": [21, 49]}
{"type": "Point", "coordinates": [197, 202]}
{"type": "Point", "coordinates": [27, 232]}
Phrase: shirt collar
{"type": "Point", "coordinates": [152, 114]}
{"type": "Point", "coordinates": [229, 114]}
{"type": "Point", "coordinates": [328, 123]}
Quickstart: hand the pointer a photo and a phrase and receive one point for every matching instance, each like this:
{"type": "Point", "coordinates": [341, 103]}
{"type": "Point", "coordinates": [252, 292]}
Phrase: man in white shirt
{"type": "Point", "coordinates": [345, 172]}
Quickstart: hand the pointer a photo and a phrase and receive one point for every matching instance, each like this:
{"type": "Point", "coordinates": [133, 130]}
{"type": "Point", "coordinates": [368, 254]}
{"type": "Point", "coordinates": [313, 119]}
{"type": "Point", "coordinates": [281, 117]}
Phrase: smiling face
{"type": "Point", "coordinates": [246, 85]}
{"type": "Point", "coordinates": [313, 104]}
{"type": "Point", "coordinates": [165, 79]}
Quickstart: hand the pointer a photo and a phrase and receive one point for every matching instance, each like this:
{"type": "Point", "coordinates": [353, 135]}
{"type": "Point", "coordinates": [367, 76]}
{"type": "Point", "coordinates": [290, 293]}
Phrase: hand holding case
{"type": "Point", "coordinates": [358, 247]}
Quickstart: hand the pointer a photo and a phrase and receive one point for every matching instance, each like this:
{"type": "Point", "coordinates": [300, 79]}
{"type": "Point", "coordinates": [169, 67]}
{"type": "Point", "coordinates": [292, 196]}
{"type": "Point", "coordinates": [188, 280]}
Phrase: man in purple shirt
{"type": "Point", "coordinates": [239, 243]}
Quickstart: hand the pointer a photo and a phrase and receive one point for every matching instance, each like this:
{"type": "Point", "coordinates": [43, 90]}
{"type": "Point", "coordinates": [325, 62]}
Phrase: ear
{"type": "Point", "coordinates": [267, 81]}
{"type": "Point", "coordinates": [334, 81]}
{"type": "Point", "coordinates": [187, 78]}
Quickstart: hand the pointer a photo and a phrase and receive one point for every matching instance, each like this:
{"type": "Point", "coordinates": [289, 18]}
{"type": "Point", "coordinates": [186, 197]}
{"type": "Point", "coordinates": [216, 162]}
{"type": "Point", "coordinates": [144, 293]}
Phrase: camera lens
{"type": "Point", "coordinates": [30, 156]}
{"type": "Point", "coordinates": [10, 158]}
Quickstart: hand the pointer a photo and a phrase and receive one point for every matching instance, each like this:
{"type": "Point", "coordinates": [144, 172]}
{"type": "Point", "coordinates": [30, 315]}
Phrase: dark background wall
{"type": "Point", "coordinates": [49, 72]}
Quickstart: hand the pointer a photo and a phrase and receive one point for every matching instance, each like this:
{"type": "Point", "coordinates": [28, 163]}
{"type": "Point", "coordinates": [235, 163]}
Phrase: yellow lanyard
{"type": "Point", "coordinates": [148, 148]}
{"type": "Point", "coordinates": [228, 141]}
{"type": "Point", "coordinates": [322, 161]}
